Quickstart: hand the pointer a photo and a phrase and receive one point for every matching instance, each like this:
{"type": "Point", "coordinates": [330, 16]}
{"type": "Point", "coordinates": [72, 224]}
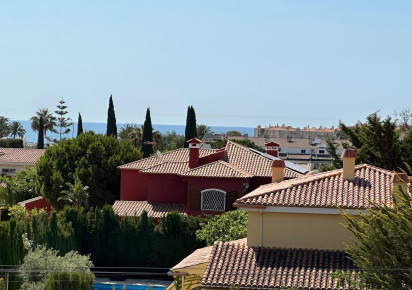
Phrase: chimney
{"type": "Point", "coordinates": [272, 148]}
{"type": "Point", "coordinates": [278, 167]}
{"type": "Point", "coordinates": [348, 156]}
{"type": "Point", "coordinates": [194, 145]}
{"type": "Point", "coordinates": [399, 179]}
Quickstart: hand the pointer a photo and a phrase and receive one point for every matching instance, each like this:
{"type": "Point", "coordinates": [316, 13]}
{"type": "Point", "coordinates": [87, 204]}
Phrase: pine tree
{"type": "Point", "coordinates": [190, 131]}
{"type": "Point", "coordinates": [62, 122]}
{"type": "Point", "coordinates": [111, 120]}
{"type": "Point", "coordinates": [40, 140]}
{"type": "Point", "coordinates": [79, 125]}
{"type": "Point", "coordinates": [147, 140]}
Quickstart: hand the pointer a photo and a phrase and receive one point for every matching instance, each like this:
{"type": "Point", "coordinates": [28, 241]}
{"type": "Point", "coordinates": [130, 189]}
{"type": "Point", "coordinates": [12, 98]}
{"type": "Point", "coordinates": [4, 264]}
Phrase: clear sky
{"type": "Point", "coordinates": [239, 63]}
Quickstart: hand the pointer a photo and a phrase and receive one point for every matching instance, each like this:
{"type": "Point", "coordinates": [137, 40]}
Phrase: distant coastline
{"type": "Point", "coordinates": [100, 128]}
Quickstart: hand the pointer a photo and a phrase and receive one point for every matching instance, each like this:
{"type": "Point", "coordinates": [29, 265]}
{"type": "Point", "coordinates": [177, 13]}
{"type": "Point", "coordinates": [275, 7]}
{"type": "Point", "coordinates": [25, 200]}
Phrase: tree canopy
{"type": "Point", "coordinates": [190, 130]}
{"type": "Point", "coordinates": [377, 142]}
{"type": "Point", "coordinates": [111, 120]}
{"type": "Point", "coordinates": [49, 121]}
{"type": "Point", "coordinates": [229, 226]}
{"type": "Point", "coordinates": [63, 122]}
{"type": "Point", "coordinates": [201, 130]}
{"type": "Point", "coordinates": [383, 249]}
{"type": "Point", "coordinates": [147, 137]}
{"type": "Point", "coordinates": [5, 128]}
{"type": "Point", "coordinates": [19, 187]}
{"type": "Point", "coordinates": [79, 125]}
{"type": "Point", "coordinates": [93, 159]}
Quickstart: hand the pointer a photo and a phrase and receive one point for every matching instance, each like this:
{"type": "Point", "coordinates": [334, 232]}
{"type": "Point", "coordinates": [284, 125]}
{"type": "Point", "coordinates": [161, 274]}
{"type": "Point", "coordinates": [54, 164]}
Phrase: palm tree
{"type": "Point", "coordinates": [131, 132]}
{"type": "Point", "coordinates": [17, 129]}
{"type": "Point", "coordinates": [4, 127]}
{"type": "Point", "coordinates": [49, 121]}
{"type": "Point", "coordinates": [76, 194]}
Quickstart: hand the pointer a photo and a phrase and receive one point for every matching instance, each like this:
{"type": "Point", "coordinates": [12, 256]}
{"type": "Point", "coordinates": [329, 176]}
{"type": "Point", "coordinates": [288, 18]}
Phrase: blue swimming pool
{"type": "Point", "coordinates": [100, 286]}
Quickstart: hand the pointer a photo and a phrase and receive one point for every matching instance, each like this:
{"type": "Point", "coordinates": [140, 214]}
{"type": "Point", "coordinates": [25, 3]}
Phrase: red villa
{"type": "Point", "coordinates": [195, 180]}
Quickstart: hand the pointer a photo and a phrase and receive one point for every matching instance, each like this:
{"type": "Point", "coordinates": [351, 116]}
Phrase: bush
{"type": "Point", "coordinates": [41, 261]}
{"type": "Point", "coordinates": [11, 143]}
{"type": "Point", "coordinates": [69, 281]}
{"type": "Point", "coordinates": [229, 226]}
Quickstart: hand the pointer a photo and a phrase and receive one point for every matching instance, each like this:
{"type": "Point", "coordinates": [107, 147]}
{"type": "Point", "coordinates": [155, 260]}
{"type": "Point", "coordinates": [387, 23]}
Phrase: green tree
{"type": "Point", "coordinates": [249, 144]}
{"type": "Point", "coordinates": [377, 142]}
{"type": "Point", "coordinates": [217, 144]}
{"type": "Point", "coordinates": [79, 125]}
{"type": "Point", "coordinates": [19, 187]}
{"type": "Point", "coordinates": [39, 263]}
{"type": "Point", "coordinates": [233, 134]}
{"type": "Point", "coordinates": [147, 138]}
{"type": "Point", "coordinates": [171, 141]}
{"type": "Point", "coordinates": [17, 129]}
{"type": "Point", "coordinates": [63, 122]}
{"type": "Point", "coordinates": [111, 120]}
{"type": "Point", "coordinates": [49, 121]}
{"type": "Point", "coordinates": [40, 137]}
{"type": "Point", "coordinates": [201, 130]}
{"type": "Point", "coordinates": [93, 159]}
{"type": "Point", "coordinates": [383, 248]}
{"type": "Point", "coordinates": [5, 129]}
{"type": "Point", "coordinates": [190, 130]}
{"type": "Point", "coordinates": [76, 194]}
{"type": "Point", "coordinates": [229, 226]}
{"type": "Point", "coordinates": [131, 132]}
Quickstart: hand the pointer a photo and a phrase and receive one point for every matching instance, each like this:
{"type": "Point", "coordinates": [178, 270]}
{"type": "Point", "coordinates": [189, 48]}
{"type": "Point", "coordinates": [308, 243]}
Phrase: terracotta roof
{"type": "Point", "coordinates": [178, 155]}
{"type": "Point", "coordinates": [249, 161]}
{"type": "Point", "coordinates": [199, 256]}
{"type": "Point", "coordinates": [237, 264]}
{"type": "Point", "coordinates": [241, 163]}
{"type": "Point", "coordinates": [156, 210]}
{"type": "Point", "coordinates": [327, 190]}
{"type": "Point", "coordinates": [220, 169]}
{"type": "Point", "coordinates": [20, 155]}
{"type": "Point", "coordinates": [194, 141]}
{"type": "Point", "coordinates": [167, 168]}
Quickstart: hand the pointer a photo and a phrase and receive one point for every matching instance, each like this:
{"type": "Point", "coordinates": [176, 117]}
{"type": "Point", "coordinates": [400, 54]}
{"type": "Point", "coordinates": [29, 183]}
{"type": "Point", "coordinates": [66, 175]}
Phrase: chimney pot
{"type": "Point", "coordinates": [278, 167]}
{"type": "Point", "coordinates": [348, 156]}
{"type": "Point", "coordinates": [194, 145]}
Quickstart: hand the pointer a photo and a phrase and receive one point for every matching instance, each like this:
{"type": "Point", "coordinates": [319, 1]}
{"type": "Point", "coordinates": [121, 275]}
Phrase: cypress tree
{"type": "Point", "coordinates": [79, 125]}
{"type": "Point", "coordinates": [111, 120]}
{"type": "Point", "coordinates": [40, 139]}
{"type": "Point", "coordinates": [190, 131]}
{"type": "Point", "coordinates": [147, 139]}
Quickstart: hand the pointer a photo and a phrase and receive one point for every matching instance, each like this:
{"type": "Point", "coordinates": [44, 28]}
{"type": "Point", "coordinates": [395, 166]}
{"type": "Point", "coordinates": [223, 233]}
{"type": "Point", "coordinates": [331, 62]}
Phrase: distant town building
{"type": "Point", "coordinates": [296, 132]}
{"type": "Point", "coordinates": [309, 153]}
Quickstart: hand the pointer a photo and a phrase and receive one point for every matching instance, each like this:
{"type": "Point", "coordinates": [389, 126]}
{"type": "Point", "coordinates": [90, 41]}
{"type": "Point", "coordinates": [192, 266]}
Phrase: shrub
{"type": "Point", "coordinates": [11, 143]}
{"type": "Point", "coordinates": [69, 281]}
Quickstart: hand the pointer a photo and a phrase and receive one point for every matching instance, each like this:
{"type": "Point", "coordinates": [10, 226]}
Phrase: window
{"type": "Point", "coordinates": [321, 151]}
{"type": "Point", "coordinates": [8, 171]}
{"type": "Point", "coordinates": [213, 199]}
{"type": "Point", "coordinates": [302, 151]}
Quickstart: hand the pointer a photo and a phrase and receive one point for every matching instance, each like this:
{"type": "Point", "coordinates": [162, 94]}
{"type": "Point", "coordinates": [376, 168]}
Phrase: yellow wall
{"type": "Point", "coordinates": [298, 230]}
{"type": "Point", "coordinates": [191, 270]}
{"type": "Point", "coordinates": [14, 166]}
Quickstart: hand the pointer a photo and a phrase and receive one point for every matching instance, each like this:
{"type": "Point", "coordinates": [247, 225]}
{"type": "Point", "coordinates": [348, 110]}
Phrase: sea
{"type": "Point", "coordinates": [100, 128]}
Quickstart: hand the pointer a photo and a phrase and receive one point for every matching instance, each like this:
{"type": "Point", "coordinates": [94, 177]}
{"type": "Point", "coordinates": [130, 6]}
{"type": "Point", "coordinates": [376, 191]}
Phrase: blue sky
{"type": "Point", "coordinates": [239, 63]}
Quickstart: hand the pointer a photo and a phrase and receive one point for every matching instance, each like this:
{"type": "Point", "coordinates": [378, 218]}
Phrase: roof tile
{"type": "Point", "coordinates": [156, 210]}
{"type": "Point", "coordinates": [327, 190]}
{"type": "Point", "coordinates": [20, 155]}
{"type": "Point", "coordinates": [236, 264]}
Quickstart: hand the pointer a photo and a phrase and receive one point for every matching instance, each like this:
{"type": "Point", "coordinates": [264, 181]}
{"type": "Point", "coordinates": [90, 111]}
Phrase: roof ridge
{"type": "Point", "coordinates": [285, 184]}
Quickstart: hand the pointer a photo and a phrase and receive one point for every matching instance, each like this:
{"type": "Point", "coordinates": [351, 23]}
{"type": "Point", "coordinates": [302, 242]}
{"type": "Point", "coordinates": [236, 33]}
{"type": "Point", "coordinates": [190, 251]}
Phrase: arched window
{"type": "Point", "coordinates": [213, 199]}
